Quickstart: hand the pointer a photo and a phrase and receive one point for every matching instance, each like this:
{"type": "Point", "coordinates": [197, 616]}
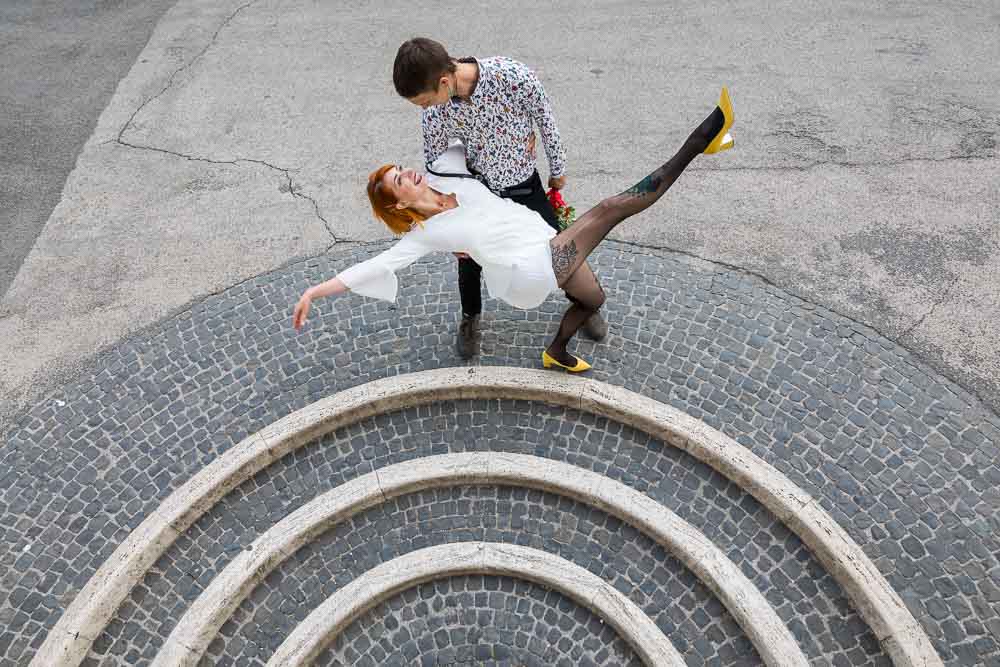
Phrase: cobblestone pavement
{"type": "Point", "coordinates": [482, 621]}
{"type": "Point", "coordinates": [775, 559]}
{"type": "Point", "coordinates": [904, 459]}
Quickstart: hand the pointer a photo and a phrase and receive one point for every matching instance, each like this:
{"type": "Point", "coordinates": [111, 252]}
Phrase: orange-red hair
{"type": "Point", "coordinates": [399, 220]}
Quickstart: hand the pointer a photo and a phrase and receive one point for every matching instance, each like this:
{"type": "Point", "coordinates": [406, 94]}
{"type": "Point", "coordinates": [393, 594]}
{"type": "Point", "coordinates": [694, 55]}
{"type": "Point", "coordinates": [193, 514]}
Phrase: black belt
{"type": "Point", "coordinates": [514, 191]}
{"type": "Point", "coordinates": [518, 190]}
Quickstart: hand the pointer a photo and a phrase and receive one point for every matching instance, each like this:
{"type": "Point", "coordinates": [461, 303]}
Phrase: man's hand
{"type": "Point", "coordinates": [557, 182]}
{"type": "Point", "coordinates": [531, 146]}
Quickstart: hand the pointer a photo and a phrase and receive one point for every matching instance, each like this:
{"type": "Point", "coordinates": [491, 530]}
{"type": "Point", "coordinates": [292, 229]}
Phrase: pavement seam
{"type": "Point", "coordinates": [938, 367]}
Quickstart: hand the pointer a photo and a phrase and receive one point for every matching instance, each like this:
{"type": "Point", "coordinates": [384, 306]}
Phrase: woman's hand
{"type": "Point", "coordinates": [331, 287]}
{"type": "Point", "coordinates": [301, 310]}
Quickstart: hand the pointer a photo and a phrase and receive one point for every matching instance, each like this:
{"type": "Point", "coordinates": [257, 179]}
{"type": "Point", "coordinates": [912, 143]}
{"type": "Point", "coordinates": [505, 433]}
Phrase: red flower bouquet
{"type": "Point", "coordinates": [565, 213]}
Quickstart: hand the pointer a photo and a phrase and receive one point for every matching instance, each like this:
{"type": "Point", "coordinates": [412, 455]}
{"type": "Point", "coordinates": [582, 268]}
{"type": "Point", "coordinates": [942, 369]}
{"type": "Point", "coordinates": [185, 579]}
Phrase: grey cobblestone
{"type": "Point", "coordinates": [789, 380]}
{"type": "Point", "coordinates": [591, 539]}
{"type": "Point", "coordinates": [479, 621]}
{"type": "Point", "coordinates": [770, 555]}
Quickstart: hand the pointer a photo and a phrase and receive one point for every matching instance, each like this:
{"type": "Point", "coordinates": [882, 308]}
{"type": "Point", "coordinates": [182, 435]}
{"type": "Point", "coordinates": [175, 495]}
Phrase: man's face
{"type": "Point", "coordinates": [432, 98]}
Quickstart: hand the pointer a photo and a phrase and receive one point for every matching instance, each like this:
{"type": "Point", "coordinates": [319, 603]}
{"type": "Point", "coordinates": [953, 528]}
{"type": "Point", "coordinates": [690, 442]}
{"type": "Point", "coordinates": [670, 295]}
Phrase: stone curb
{"type": "Point", "coordinates": [903, 638]}
{"type": "Point", "coordinates": [190, 638]}
{"type": "Point", "coordinates": [319, 628]}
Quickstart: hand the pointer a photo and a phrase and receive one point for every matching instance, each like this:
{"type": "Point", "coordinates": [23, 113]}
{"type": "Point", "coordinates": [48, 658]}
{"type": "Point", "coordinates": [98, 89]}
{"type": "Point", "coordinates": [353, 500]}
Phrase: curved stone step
{"type": "Point", "coordinates": [805, 597]}
{"type": "Point", "coordinates": [320, 627]}
{"type": "Point", "coordinates": [486, 620]}
{"type": "Point", "coordinates": [684, 609]}
{"type": "Point", "coordinates": [881, 607]}
{"type": "Point", "coordinates": [191, 637]}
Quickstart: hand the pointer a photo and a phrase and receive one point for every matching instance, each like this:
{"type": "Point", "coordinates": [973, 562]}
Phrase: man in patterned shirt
{"type": "Point", "coordinates": [492, 105]}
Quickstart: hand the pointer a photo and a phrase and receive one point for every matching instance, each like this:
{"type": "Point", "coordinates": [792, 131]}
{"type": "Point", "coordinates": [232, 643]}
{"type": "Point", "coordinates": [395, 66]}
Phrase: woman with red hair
{"type": "Point", "coordinates": [523, 259]}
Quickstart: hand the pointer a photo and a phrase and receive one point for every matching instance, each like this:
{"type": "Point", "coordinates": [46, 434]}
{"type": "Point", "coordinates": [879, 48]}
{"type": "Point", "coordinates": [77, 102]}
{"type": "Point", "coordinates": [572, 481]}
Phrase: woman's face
{"type": "Point", "coordinates": [405, 185]}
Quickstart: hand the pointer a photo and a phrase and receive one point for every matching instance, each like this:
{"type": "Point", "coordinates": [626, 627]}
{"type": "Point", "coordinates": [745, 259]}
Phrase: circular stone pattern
{"type": "Point", "coordinates": [905, 460]}
{"type": "Point", "coordinates": [480, 620]}
{"type": "Point", "coordinates": [683, 609]}
{"type": "Point", "coordinates": [804, 595]}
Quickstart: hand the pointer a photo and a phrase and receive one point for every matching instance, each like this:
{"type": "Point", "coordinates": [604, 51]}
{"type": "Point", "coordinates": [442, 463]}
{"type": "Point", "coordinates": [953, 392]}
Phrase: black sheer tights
{"type": "Point", "coordinates": [571, 247]}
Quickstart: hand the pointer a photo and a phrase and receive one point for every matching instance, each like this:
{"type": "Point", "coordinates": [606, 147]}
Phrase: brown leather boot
{"type": "Point", "coordinates": [595, 328]}
{"type": "Point", "coordinates": [468, 336]}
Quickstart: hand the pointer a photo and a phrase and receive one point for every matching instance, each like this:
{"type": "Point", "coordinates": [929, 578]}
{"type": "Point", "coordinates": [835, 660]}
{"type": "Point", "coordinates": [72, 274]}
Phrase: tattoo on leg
{"type": "Point", "coordinates": [563, 258]}
{"type": "Point", "coordinates": [647, 185]}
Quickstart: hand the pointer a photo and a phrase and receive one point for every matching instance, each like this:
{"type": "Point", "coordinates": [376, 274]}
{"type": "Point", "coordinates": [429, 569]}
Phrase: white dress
{"type": "Point", "coordinates": [510, 242]}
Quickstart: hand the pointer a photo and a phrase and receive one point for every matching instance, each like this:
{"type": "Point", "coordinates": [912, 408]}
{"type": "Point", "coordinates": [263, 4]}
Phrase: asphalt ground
{"type": "Point", "coordinates": [61, 64]}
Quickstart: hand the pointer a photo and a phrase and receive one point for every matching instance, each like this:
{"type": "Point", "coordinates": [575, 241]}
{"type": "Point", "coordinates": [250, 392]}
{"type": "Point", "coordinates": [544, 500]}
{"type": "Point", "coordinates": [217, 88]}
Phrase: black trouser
{"type": "Point", "coordinates": [470, 273]}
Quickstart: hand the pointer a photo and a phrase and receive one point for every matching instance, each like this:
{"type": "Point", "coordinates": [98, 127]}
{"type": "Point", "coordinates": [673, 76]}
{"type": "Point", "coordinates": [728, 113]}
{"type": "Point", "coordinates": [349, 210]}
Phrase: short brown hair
{"type": "Point", "coordinates": [420, 62]}
{"type": "Point", "coordinates": [398, 220]}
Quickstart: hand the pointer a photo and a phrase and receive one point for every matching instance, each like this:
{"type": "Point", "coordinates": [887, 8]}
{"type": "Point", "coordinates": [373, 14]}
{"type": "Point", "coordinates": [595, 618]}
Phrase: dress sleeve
{"type": "Point", "coordinates": [452, 161]}
{"type": "Point", "coordinates": [376, 277]}
{"type": "Point", "coordinates": [536, 104]}
{"type": "Point", "coordinates": [432, 124]}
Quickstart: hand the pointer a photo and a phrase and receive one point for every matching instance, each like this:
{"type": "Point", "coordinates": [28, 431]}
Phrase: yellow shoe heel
{"type": "Point", "coordinates": [723, 140]}
{"type": "Point", "coordinates": [548, 362]}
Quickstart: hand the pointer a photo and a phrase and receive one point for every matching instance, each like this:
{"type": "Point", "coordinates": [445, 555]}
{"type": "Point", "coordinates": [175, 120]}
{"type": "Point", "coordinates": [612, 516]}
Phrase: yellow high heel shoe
{"type": "Point", "coordinates": [723, 141]}
{"type": "Point", "coordinates": [548, 361]}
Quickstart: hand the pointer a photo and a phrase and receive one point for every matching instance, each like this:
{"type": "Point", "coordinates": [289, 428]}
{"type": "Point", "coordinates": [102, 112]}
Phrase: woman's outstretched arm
{"type": "Point", "coordinates": [374, 278]}
{"type": "Point", "coordinates": [331, 287]}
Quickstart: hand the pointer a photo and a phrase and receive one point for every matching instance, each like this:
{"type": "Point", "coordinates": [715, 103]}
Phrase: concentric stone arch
{"type": "Point", "coordinates": [199, 625]}
{"type": "Point", "coordinates": [900, 634]}
{"type": "Point", "coordinates": [445, 560]}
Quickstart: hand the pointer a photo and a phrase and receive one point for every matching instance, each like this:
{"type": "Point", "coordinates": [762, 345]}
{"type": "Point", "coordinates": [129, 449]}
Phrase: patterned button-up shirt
{"type": "Point", "coordinates": [506, 104]}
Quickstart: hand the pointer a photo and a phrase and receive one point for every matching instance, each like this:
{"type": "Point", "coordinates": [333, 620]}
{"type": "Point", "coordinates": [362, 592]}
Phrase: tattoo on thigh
{"type": "Point", "coordinates": [563, 258]}
{"type": "Point", "coordinates": [647, 185]}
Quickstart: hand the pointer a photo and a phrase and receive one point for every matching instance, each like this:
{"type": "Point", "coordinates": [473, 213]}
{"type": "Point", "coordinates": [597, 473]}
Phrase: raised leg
{"type": "Point", "coordinates": [571, 247]}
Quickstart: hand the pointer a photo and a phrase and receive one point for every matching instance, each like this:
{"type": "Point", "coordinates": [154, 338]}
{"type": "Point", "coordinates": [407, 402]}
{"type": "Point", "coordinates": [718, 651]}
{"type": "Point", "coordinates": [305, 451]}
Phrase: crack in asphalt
{"type": "Point", "coordinates": [855, 165]}
{"type": "Point", "coordinates": [287, 172]}
{"type": "Point", "coordinates": [326, 223]}
{"type": "Point", "coordinates": [295, 192]}
{"type": "Point", "coordinates": [813, 165]}
{"type": "Point", "coordinates": [944, 296]}
{"type": "Point", "coordinates": [170, 81]}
